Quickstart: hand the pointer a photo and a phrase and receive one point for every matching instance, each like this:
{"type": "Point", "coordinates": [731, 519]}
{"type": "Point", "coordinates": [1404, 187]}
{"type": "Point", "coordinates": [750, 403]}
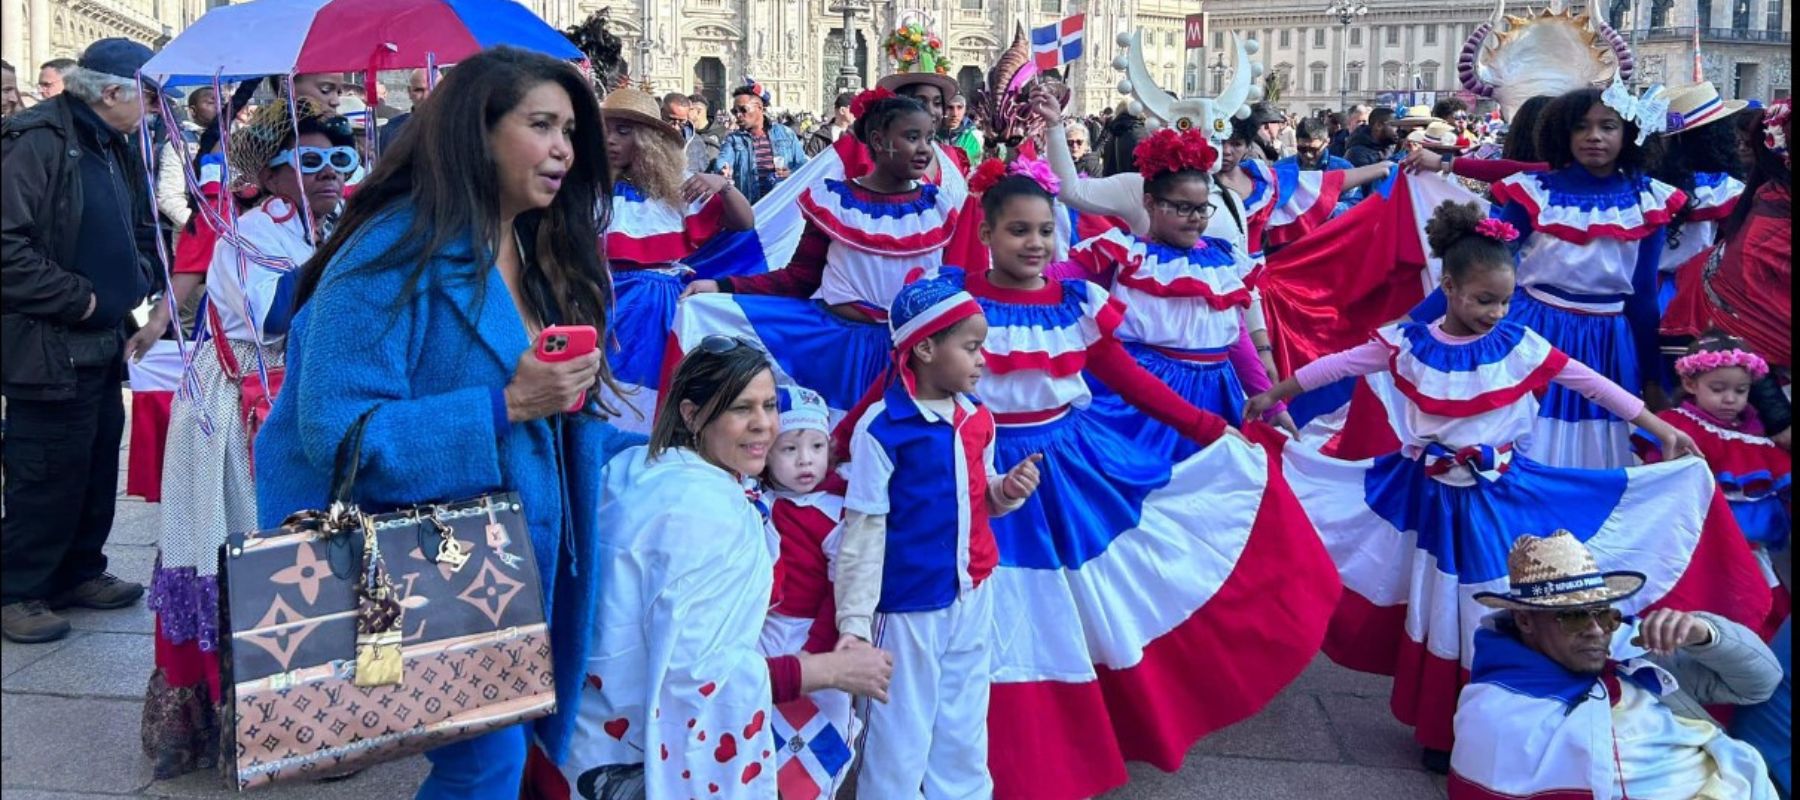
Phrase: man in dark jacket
{"type": "Point", "coordinates": [1374, 142]}
{"type": "Point", "coordinates": [1122, 136]}
{"type": "Point", "coordinates": [76, 232]}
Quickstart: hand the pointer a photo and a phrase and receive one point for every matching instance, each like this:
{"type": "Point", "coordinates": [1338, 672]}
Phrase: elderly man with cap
{"type": "Point", "coordinates": [76, 234]}
{"type": "Point", "coordinates": [1570, 698]}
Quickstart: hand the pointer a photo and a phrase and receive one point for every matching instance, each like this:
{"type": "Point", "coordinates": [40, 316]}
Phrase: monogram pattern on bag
{"type": "Point", "coordinates": [282, 733]}
{"type": "Point", "coordinates": [491, 591]}
{"type": "Point", "coordinates": [283, 642]}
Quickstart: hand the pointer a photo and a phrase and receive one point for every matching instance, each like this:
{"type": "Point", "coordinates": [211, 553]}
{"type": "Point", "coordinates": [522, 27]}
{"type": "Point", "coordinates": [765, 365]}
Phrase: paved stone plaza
{"type": "Point", "coordinates": [71, 712]}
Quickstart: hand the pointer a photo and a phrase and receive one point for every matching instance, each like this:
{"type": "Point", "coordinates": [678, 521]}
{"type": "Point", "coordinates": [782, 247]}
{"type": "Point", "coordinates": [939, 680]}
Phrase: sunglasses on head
{"type": "Point", "coordinates": [719, 344]}
{"type": "Point", "coordinates": [1575, 621]}
{"type": "Point", "coordinates": [310, 160]}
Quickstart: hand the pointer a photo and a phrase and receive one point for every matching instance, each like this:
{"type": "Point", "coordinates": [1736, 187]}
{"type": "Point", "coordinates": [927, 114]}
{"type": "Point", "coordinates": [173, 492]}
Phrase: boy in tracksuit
{"type": "Point", "coordinates": [916, 548]}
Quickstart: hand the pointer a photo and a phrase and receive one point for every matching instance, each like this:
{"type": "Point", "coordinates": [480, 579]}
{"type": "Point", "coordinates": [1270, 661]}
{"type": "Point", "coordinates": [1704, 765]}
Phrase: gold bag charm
{"type": "Point", "coordinates": [378, 660]}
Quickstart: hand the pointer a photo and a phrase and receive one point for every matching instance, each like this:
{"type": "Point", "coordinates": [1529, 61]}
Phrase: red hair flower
{"type": "Point", "coordinates": [989, 173]}
{"type": "Point", "coordinates": [868, 97]}
{"type": "Point", "coordinates": [1169, 151]}
{"type": "Point", "coordinates": [1497, 230]}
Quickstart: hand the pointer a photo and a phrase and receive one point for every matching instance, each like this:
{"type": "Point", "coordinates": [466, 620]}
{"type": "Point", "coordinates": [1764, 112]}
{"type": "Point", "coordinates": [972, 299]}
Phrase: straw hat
{"type": "Point", "coordinates": [638, 107]}
{"type": "Point", "coordinates": [1438, 136]}
{"type": "Point", "coordinates": [1557, 572]}
{"type": "Point", "coordinates": [895, 82]}
{"type": "Point", "coordinates": [1693, 106]}
{"type": "Point", "coordinates": [255, 143]}
{"type": "Point", "coordinates": [1414, 116]}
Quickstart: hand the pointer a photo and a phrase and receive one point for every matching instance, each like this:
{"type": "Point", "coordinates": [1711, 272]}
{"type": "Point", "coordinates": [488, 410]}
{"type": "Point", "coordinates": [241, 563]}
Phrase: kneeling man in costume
{"type": "Point", "coordinates": [1571, 699]}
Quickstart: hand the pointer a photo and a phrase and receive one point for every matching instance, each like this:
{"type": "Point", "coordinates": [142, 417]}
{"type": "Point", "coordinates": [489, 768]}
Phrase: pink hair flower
{"type": "Point", "coordinates": [1039, 171]}
{"type": "Point", "coordinates": [1497, 230]}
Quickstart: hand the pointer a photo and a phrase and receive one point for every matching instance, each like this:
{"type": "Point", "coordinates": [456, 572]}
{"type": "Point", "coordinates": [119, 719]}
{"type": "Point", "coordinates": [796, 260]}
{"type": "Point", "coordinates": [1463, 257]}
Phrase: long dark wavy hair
{"type": "Point", "coordinates": [1709, 148]}
{"type": "Point", "coordinates": [1521, 131]}
{"type": "Point", "coordinates": [441, 168]}
{"type": "Point", "coordinates": [1765, 167]}
{"type": "Point", "coordinates": [1556, 132]}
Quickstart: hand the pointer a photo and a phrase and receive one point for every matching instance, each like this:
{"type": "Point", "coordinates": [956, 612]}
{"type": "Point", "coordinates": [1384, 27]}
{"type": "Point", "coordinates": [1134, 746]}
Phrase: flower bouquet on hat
{"type": "Point", "coordinates": [916, 49]}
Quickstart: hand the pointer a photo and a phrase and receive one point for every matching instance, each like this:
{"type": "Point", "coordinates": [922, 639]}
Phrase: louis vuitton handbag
{"type": "Point", "coordinates": [357, 639]}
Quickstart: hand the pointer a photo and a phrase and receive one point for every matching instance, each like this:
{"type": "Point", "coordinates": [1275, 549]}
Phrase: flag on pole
{"type": "Point", "coordinates": [1055, 45]}
{"type": "Point", "coordinates": [1699, 68]}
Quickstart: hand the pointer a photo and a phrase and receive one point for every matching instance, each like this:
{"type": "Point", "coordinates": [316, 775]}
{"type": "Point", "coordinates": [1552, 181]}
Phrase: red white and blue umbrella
{"type": "Point", "coordinates": [280, 37]}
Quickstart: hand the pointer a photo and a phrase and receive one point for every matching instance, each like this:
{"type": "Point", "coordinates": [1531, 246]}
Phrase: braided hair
{"type": "Point", "coordinates": [882, 113]}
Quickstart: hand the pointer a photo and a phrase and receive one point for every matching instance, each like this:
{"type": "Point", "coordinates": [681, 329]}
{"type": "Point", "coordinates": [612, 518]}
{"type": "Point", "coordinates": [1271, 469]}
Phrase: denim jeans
{"type": "Point", "coordinates": [489, 767]}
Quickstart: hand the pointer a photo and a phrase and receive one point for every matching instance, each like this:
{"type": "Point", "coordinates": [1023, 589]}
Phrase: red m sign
{"type": "Point", "coordinates": [1196, 31]}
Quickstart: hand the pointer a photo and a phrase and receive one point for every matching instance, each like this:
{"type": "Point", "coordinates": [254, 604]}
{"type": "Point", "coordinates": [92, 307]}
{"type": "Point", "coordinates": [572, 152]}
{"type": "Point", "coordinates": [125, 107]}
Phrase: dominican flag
{"type": "Point", "coordinates": [1329, 290]}
{"type": "Point", "coordinates": [1055, 45]}
{"type": "Point", "coordinates": [812, 749]}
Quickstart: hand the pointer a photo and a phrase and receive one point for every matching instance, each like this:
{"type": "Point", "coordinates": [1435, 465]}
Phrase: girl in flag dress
{"type": "Point", "coordinates": [1592, 235]}
{"type": "Point", "coordinates": [1755, 475]}
{"type": "Point", "coordinates": [1126, 568]}
{"type": "Point", "coordinates": [207, 487]}
{"type": "Point", "coordinates": [823, 317]}
{"type": "Point", "coordinates": [659, 217]}
{"type": "Point", "coordinates": [1184, 296]}
{"type": "Point", "coordinates": [1699, 157]}
{"type": "Point", "coordinates": [1427, 521]}
{"type": "Point", "coordinates": [805, 498]}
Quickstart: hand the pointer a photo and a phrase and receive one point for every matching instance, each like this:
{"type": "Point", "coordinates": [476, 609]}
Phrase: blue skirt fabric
{"type": "Point", "coordinates": [1212, 386]}
{"type": "Point", "coordinates": [1092, 489]}
{"type": "Point", "coordinates": [1602, 342]}
{"type": "Point", "coordinates": [643, 313]}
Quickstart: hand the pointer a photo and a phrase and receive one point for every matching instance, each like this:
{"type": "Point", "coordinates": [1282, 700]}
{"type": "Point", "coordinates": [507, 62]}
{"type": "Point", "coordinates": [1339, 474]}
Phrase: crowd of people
{"type": "Point", "coordinates": [935, 453]}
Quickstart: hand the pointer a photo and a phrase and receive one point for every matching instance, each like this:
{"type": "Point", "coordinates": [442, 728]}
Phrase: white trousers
{"type": "Point", "coordinates": [929, 739]}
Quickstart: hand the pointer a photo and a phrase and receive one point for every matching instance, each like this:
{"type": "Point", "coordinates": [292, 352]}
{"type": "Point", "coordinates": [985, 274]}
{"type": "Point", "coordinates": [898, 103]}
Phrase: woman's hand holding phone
{"type": "Point", "coordinates": [554, 376]}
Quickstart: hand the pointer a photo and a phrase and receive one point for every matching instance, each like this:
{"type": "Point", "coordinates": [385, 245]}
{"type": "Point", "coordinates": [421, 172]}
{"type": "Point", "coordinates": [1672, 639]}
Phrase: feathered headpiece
{"type": "Point", "coordinates": [605, 59]}
{"type": "Point", "coordinates": [1168, 151]}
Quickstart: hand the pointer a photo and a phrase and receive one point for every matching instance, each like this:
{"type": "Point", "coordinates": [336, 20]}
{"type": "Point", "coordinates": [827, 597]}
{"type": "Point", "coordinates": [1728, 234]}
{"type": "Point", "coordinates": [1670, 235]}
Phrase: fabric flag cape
{"type": "Point", "coordinates": [1329, 290]}
{"type": "Point", "coordinates": [153, 382]}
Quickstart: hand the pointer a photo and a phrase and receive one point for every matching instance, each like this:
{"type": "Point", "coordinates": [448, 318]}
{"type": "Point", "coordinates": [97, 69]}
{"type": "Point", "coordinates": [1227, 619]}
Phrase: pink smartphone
{"type": "Point", "coordinates": [563, 342]}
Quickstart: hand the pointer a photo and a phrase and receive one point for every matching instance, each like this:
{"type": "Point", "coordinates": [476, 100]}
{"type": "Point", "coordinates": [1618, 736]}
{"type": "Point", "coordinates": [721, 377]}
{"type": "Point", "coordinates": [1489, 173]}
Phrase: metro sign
{"type": "Point", "coordinates": [1196, 31]}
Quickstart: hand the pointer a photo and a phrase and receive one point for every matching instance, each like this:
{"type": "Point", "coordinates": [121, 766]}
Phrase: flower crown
{"type": "Point", "coordinates": [1169, 151]}
{"type": "Point", "coordinates": [1498, 230]}
{"type": "Point", "coordinates": [992, 170]}
{"type": "Point", "coordinates": [1775, 128]}
{"type": "Point", "coordinates": [1707, 361]}
{"type": "Point", "coordinates": [1648, 111]}
{"type": "Point", "coordinates": [868, 97]}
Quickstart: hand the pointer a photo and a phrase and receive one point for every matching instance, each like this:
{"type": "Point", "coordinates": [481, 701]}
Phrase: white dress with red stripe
{"type": "Point", "coordinates": [645, 243]}
{"type": "Point", "coordinates": [1181, 312]}
{"type": "Point", "coordinates": [1421, 523]}
{"type": "Point", "coordinates": [1589, 250]}
{"type": "Point", "coordinates": [813, 733]}
{"type": "Point", "coordinates": [1125, 569]}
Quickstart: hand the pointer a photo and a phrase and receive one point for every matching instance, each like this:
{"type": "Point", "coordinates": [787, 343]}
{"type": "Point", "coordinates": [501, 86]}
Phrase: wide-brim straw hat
{"type": "Point", "coordinates": [1414, 116]}
{"type": "Point", "coordinates": [1438, 136]}
{"type": "Point", "coordinates": [632, 105]}
{"type": "Point", "coordinates": [944, 83]}
{"type": "Point", "coordinates": [1558, 572]}
{"type": "Point", "coordinates": [1693, 106]}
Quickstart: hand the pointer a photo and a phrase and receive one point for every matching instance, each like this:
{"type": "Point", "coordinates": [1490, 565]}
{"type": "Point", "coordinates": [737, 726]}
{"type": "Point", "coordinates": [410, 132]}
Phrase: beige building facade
{"type": "Point", "coordinates": [35, 31]}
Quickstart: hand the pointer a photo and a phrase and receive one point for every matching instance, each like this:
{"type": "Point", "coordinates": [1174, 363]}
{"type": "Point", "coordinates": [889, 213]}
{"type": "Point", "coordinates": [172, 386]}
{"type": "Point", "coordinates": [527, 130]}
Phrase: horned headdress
{"type": "Point", "coordinates": [1549, 52]}
{"type": "Point", "coordinates": [1161, 109]}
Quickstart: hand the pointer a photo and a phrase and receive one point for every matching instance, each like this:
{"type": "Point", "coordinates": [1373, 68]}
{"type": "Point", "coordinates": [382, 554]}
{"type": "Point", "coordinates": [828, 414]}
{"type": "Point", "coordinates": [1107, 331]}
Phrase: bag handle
{"type": "Point", "coordinates": [348, 461]}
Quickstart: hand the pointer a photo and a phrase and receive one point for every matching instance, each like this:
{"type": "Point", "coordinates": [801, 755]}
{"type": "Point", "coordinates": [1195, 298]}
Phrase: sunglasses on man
{"type": "Point", "coordinates": [1575, 621]}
